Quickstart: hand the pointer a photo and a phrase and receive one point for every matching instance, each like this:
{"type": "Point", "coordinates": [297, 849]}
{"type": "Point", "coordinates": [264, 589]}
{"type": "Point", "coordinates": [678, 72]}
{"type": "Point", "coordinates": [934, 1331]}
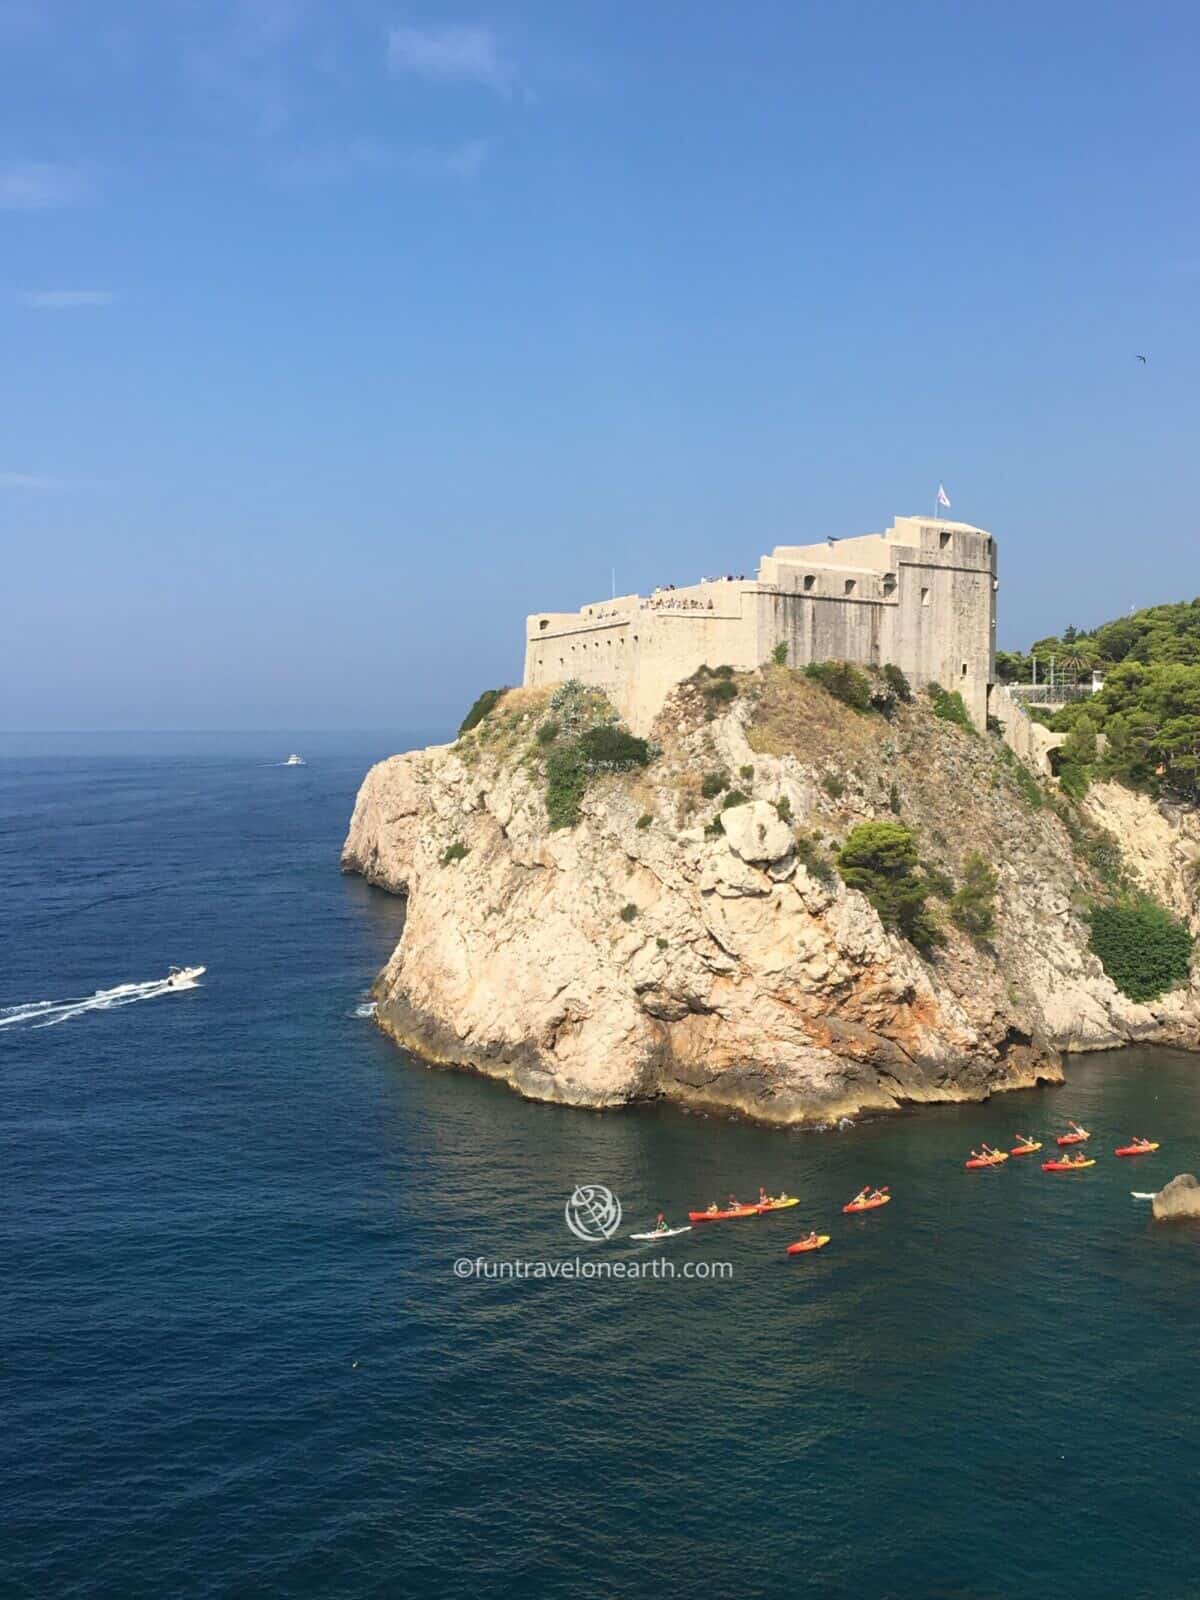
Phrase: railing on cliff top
{"type": "Point", "coordinates": [1052, 694]}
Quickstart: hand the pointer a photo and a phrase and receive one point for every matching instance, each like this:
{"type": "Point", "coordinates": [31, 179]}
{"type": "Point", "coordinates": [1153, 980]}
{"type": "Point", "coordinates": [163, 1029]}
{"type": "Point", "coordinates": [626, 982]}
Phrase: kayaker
{"type": "Point", "coordinates": [661, 1225]}
{"type": "Point", "coordinates": [734, 1203]}
{"type": "Point", "coordinates": [1075, 1128]}
{"type": "Point", "coordinates": [865, 1194]}
{"type": "Point", "coordinates": [1023, 1138]}
{"type": "Point", "coordinates": [877, 1194]}
{"type": "Point", "coordinates": [713, 1209]}
{"type": "Point", "coordinates": [763, 1197]}
{"type": "Point", "coordinates": [810, 1238]}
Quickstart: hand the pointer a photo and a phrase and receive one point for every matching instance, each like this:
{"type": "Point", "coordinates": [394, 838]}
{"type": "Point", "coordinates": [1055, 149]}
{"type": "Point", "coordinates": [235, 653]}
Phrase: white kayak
{"type": "Point", "coordinates": [662, 1233]}
{"type": "Point", "coordinates": [1138, 1195]}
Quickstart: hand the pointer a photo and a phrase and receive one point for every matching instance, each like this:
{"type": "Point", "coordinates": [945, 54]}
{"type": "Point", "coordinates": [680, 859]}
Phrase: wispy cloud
{"type": "Point", "coordinates": [41, 186]}
{"type": "Point", "coordinates": [64, 299]}
{"type": "Point", "coordinates": [337, 164]}
{"type": "Point", "coordinates": [455, 53]}
{"type": "Point", "coordinates": [28, 480]}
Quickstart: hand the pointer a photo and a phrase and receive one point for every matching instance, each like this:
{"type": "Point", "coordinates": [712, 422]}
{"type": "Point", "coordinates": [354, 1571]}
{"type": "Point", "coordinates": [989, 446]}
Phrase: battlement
{"type": "Point", "coordinates": [921, 595]}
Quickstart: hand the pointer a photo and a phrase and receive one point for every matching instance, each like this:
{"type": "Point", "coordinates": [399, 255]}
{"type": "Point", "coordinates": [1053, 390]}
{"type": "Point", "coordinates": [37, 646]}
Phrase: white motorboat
{"type": "Point", "coordinates": [295, 761]}
{"type": "Point", "coordinates": [177, 977]}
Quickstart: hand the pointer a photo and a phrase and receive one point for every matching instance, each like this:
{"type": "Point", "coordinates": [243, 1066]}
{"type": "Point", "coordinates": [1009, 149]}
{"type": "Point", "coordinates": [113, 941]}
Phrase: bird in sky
{"type": "Point", "coordinates": [1142, 359]}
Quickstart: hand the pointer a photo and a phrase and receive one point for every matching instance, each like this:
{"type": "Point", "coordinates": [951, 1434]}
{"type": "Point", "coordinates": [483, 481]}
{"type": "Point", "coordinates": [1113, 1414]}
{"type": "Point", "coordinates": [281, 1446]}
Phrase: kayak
{"type": "Point", "coordinates": [1135, 1149]}
{"type": "Point", "coordinates": [867, 1205]}
{"type": "Point", "coordinates": [987, 1161]}
{"type": "Point", "coordinates": [802, 1245]}
{"type": "Point", "coordinates": [1138, 1195]}
{"type": "Point", "coordinates": [1073, 1138]}
{"type": "Point", "coordinates": [755, 1210]}
{"type": "Point", "coordinates": [661, 1233]}
{"type": "Point", "coordinates": [724, 1216]}
{"type": "Point", "coordinates": [1066, 1166]}
{"type": "Point", "coordinates": [1024, 1149]}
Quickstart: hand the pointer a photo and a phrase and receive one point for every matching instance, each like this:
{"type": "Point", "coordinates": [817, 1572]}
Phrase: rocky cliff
{"type": "Point", "coordinates": [696, 945]}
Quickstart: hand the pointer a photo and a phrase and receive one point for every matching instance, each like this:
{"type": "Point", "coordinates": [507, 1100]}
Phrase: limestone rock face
{"type": "Point", "coordinates": [664, 948]}
{"type": "Point", "coordinates": [1178, 1200]}
{"type": "Point", "coordinates": [756, 832]}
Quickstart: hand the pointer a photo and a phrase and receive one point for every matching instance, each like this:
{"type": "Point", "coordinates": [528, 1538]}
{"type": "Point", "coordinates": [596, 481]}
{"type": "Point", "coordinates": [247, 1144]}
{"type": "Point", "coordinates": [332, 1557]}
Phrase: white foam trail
{"type": "Point", "coordinates": [49, 1013]}
{"type": "Point", "coordinates": [366, 1010]}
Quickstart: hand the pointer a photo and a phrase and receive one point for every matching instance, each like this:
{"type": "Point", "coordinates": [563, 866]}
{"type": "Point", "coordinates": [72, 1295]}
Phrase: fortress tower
{"type": "Point", "coordinates": [921, 595]}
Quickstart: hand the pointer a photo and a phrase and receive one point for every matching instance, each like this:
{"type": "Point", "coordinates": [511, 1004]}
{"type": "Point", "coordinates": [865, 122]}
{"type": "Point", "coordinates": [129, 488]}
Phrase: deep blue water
{"type": "Point", "coordinates": [236, 1360]}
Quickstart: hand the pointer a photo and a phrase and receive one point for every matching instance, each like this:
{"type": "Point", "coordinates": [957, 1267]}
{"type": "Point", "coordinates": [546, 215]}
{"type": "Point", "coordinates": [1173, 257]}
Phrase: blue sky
{"type": "Point", "coordinates": [336, 337]}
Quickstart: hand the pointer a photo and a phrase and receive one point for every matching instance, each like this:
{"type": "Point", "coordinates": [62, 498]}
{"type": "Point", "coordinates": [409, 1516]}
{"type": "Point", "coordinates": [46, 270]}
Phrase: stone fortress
{"type": "Point", "coordinates": [921, 595]}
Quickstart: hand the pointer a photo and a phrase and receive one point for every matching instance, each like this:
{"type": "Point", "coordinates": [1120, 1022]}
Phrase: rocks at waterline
{"type": "Point", "coordinates": [1178, 1200]}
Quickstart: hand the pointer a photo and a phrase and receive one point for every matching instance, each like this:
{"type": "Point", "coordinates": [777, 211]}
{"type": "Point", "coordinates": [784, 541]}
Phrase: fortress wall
{"type": "Point", "coordinates": [922, 595]}
{"type": "Point", "coordinates": [826, 629]}
{"type": "Point", "coordinates": [638, 658]}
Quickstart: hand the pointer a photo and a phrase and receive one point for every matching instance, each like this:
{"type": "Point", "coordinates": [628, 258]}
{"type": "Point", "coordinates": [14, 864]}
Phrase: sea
{"type": "Point", "coordinates": [255, 1333]}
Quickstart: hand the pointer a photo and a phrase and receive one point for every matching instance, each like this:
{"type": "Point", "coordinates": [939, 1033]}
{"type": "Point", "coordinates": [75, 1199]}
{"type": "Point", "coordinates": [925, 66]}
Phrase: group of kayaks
{"type": "Point", "coordinates": [986, 1156]}
{"type": "Point", "coordinates": [871, 1199]}
{"type": "Point", "coordinates": [867, 1199]}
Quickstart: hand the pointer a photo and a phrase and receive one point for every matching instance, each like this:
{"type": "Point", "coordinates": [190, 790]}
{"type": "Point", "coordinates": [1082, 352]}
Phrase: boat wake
{"type": "Point", "coordinates": [49, 1013]}
{"type": "Point", "coordinates": [365, 1010]}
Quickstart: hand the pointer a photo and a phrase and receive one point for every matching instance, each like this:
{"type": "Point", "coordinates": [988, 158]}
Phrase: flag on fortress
{"type": "Point", "coordinates": [943, 498]}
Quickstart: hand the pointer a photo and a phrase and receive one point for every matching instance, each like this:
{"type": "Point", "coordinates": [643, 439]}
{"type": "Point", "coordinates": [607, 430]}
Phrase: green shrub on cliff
{"type": "Point", "coordinates": [712, 784]}
{"type": "Point", "coordinates": [566, 785]}
{"type": "Point", "coordinates": [950, 707]}
{"type": "Point", "coordinates": [1142, 947]}
{"type": "Point", "coordinates": [897, 682]}
{"type": "Point", "coordinates": [973, 904]}
{"type": "Point", "coordinates": [607, 748]}
{"type": "Point", "coordinates": [880, 860]}
{"type": "Point", "coordinates": [454, 852]}
{"type": "Point", "coordinates": [811, 856]}
{"type": "Point", "coordinates": [589, 741]}
{"type": "Point", "coordinates": [485, 703]}
{"type": "Point", "coordinates": [844, 682]}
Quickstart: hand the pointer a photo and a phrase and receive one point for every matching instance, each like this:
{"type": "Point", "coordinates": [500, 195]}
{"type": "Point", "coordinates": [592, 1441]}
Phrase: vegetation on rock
{"type": "Point", "coordinates": [950, 707]}
{"type": "Point", "coordinates": [880, 860]}
{"type": "Point", "coordinates": [844, 682]}
{"type": "Point", "coordinates": [483, 705]}
{"type": "Point", "coordinates": [588, 741]}
{"type": "Point", "coordinates": [973, 904]}
{"type": "Point", "coordinates": [1142, 947]}
{"type": "Point", "coordinates": [897, 682]}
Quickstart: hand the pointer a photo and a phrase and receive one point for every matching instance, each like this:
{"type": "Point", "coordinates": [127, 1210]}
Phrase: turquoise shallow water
{"type": "Point", "coordinates": [236, 1360]}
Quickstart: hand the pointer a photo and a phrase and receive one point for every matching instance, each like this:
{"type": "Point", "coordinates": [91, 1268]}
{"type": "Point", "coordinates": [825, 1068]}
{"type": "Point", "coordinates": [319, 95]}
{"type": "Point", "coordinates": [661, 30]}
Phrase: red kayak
{"type": "Point", "coordinates": [1025, 1149]}
{"type": "Point", "coordinates": [1073, 1138]}
{"type": "Point", "coordinates": [725, 1216]}
{"type": "Point", "coordinates": [1066, 1166]}
{"type": "Point", "coordinates": [867, 1205]}
{"type": "Point", "coordinates": [997, 1160]}
{"type": "Point", "coordinates": [780, 1203]}
{"type": "Point", "coordinates": [1135, 1149]}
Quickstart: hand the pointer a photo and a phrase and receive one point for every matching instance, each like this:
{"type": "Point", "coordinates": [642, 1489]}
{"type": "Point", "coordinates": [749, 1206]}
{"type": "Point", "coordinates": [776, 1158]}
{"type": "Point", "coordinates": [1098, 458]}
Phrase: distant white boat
{"type": "Point", "coordinates": [177, 977]}
{"type": "Point", "coordinates": [295, 761]}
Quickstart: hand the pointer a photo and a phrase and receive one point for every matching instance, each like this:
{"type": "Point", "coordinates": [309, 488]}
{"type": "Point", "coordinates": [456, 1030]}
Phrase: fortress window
{"type": "Point", "coordinates": [964, 671]}
{"type": "Point", "coordinates": [889, 583]}
{"type": "Point", "coordinates": [849, 585]}
{"type": "Point", "coordinates": [924, 597]}
{"type": "Point", "coordinates": [809, 581]}
{"type": "Point", "coordinates": [943, 540]}
{"type": "Point", "coordinates": [544, 623]}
